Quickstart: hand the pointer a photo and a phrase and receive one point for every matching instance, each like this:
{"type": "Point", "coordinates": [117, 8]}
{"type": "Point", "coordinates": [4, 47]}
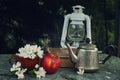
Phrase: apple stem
{"type": "Point", "coordinates": [46, 50]}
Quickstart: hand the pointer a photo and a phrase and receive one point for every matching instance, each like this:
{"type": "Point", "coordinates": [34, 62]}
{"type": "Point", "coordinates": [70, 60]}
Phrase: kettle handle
{"type": "Point", "coordinates": [103, 61]}
{"type": "Point", "coordinates": [110, 50]}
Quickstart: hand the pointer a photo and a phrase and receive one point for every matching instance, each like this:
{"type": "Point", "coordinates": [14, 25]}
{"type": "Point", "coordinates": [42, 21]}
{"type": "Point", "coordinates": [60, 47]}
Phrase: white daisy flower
{"type": "Point", "coordinates": [80, 71]}
{"type": "Point", "coordinates": [40, 73]}
{"type": "Point", "coordinates": [16, 67]}
{"type": "Point", "coordinates": [36, 66]}
{"type": "Point", "coordinates": [20, 73]}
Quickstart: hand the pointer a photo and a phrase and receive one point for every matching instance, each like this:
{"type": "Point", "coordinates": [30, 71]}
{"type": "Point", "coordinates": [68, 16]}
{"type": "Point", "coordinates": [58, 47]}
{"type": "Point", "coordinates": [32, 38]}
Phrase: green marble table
{"type": "Point", "coordinates": [109, 71]}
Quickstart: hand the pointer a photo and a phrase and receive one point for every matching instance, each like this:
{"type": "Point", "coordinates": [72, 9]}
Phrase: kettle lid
{"type": "Point", "coordinates": [87, 45]}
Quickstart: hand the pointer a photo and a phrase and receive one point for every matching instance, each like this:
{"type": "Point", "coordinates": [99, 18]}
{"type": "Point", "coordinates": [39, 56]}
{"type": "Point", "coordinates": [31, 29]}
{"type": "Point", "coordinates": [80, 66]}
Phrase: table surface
{"type": "Point", "coordinates": [108, 71]}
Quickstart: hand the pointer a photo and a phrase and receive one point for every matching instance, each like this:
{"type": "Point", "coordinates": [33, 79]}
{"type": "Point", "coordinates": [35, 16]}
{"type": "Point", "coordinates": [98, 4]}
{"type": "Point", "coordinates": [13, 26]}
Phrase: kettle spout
{"type": "Point", "coordinates": [71, 53]}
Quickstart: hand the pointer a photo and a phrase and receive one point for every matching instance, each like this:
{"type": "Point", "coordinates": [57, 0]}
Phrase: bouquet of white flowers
{"type": "Point", "coordinates": [30, 51]}
{"type": "Point", "coordinates": [28, 61]}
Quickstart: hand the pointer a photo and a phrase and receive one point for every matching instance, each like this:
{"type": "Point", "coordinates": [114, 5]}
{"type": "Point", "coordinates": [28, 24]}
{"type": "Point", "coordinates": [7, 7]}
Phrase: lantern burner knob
{"type": "Point", "coordinates": [87, 40]}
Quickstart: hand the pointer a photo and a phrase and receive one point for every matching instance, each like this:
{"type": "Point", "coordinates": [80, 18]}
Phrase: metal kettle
{"type": "Point", "coordinates": [86, 57]}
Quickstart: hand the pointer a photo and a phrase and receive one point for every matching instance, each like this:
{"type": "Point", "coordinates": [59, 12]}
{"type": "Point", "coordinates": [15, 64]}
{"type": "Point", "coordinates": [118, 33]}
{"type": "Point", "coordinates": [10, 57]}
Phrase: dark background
{"type": "Point", "coordinates": [28, 21]}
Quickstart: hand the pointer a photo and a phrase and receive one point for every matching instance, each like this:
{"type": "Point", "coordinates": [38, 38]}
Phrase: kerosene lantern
{"type": "Point", "coordinates": [76, 27]}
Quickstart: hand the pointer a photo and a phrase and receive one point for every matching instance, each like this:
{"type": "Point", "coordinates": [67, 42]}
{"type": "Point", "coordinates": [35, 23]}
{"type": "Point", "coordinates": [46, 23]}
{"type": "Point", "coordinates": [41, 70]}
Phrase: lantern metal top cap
{"type": "Point", "coordinates": [78, 7]}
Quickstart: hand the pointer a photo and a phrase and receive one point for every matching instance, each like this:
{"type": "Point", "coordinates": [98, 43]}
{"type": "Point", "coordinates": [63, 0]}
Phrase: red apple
{"type": "Point", "coordinates": [51, 62]}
